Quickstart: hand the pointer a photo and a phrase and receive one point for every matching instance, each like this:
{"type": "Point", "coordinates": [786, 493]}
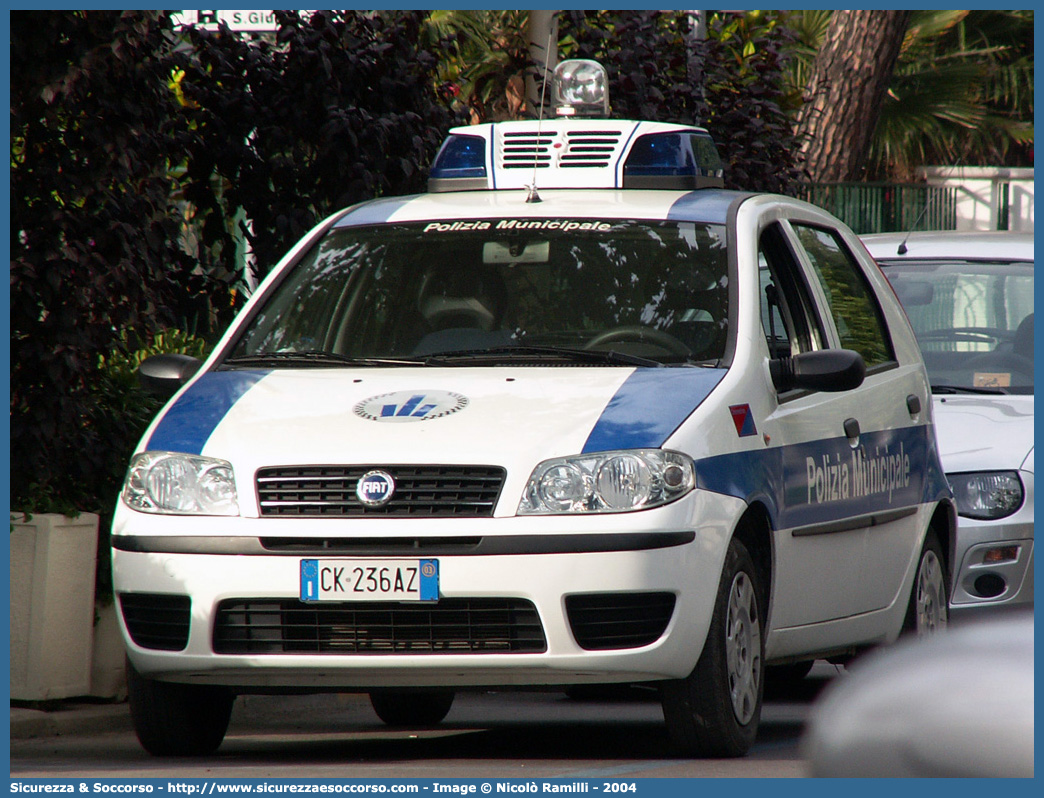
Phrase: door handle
{"type": "Point", "coordinates": [851, 427]}
{"type": "Point", "coordinates": [913, 405]}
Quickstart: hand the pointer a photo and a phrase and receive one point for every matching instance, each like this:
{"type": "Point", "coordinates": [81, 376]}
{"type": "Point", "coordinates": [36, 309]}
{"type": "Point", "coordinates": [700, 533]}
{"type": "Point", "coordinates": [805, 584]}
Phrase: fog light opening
{"type": "Point", "coordinates": [990, 585]}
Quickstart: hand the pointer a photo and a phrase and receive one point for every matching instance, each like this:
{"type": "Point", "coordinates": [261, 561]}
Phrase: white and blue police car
{"type": "Point", "coordinates": [578, 415]}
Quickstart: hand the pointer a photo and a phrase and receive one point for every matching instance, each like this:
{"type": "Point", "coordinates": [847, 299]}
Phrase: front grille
{"type": "Point", "coordinates": [157, 620]}
{"type": "Point", "coordinates": [603, 621]}
{"type": "Point", "coordinates": [420, 491]}
{"type": "Point", "coordinates": [583, 148]}
{"type": "Point", "coordinates": [450, 626]}
{"type": "Point", "coordinates": [369, 547]}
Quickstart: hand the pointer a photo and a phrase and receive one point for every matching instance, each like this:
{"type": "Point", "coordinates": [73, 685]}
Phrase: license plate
{"type": "Point", "coordinates": [369, 580]}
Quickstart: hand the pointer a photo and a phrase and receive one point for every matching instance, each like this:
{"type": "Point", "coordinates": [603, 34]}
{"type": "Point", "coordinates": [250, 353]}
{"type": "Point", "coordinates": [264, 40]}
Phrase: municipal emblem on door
{"type": "Point", "coordinates": [744, 420]}
{"type": "Point", "coordinates": [410, 406]}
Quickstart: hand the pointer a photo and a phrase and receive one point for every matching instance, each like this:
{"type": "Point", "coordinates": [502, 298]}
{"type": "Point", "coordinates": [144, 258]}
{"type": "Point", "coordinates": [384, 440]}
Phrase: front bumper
{"type": "Point", "coordinates": [993, 562]}
{"type": "Point", "coordinates": [689, 571]}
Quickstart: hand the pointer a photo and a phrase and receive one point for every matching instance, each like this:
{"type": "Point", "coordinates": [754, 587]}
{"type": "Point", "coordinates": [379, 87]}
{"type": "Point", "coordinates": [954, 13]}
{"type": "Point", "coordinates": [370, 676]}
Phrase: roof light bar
{"type": "Point", "coordinates": [676, 160]}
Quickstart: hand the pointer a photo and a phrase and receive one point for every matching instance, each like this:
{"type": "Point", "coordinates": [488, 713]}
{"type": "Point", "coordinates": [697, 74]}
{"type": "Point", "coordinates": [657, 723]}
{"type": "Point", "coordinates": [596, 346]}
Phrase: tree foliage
{"type": "Point", "coordinates": [134, 155]}
{"type": "Point", "coordinates": [744, 103]}
{"type": "Point", "coordinates": [731, 82]}
{"type": "Point", "coordinates": [95, 244]}
{"type": "Point", "coordinates": [484, 60]}
{"type": "Point", "coordinates": [342, 108]}
{"type": "Point", "coordinates": [847, 83]}
{"type": "Point", "coordinates": [961, 91]}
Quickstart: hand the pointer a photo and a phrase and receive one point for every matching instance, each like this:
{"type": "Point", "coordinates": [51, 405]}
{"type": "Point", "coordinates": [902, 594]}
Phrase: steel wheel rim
{"type": "Point", "coordinates": [743, 647]}
{"type": "Point", "coordinates": [931, 596]}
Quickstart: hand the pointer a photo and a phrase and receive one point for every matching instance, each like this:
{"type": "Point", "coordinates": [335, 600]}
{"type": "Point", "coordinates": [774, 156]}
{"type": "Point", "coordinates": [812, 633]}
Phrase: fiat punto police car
{"type": "Point", "coordinates": [578, 415]}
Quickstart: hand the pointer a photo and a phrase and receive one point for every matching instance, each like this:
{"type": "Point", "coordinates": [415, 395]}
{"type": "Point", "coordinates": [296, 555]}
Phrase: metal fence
{"type": "Point", "coordinates": [886, 207]}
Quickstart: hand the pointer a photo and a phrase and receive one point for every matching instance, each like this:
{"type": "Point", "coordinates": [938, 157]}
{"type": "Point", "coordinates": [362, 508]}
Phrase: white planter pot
{"type": "Point", "coordinates": [108, 668]}
{"type": "Point", "coordinates": [52, 605]}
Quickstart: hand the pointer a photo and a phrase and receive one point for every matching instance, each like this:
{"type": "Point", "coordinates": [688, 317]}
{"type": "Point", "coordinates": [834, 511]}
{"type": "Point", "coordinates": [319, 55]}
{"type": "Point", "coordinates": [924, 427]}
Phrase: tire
{"type": "Point", "coordinates": [929, 610]}
{"type": "Point", "coordinates": [173, 719]}
{"type": "Point", "coordinates": [715, 710]}
{"type": "Point", "coordinates": [412, 709]}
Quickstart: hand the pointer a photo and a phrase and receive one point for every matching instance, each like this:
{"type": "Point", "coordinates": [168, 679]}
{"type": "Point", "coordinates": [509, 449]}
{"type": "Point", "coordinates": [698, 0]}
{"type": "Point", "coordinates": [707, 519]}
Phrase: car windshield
{"type": "Point", "coordinates": [973, 321]}
{"type": "Point", "coordinates": [501, 290]}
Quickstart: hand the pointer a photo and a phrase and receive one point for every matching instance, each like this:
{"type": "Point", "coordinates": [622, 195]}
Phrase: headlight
{"type": "Point", "coordinates": [607, 482]}
{"type": "Point", "coordinates": [987, 495]}
{"type": "Point", "coordinates": [180, 484]}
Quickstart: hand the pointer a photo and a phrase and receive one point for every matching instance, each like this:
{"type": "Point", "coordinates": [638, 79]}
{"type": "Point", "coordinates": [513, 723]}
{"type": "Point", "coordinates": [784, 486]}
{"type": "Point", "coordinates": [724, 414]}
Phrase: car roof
{"type": "Point", "coordinates": [707, 205]}
{"type": "Point", "coordinates": [990, 245]}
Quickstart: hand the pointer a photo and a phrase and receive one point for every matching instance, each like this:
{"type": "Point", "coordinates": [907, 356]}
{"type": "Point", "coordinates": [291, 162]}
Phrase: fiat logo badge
{"type": "Point", "coordinates": [375, 488]}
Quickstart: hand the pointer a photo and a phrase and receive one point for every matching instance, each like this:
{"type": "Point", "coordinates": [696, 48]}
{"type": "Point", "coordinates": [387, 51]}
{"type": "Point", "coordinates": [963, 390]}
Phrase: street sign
{"type": "Point", "coordinates": [256, 21]}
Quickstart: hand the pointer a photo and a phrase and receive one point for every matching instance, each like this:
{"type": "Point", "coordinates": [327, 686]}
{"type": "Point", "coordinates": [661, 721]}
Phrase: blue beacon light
{"type": "Point", "coordinates": [461, 156]}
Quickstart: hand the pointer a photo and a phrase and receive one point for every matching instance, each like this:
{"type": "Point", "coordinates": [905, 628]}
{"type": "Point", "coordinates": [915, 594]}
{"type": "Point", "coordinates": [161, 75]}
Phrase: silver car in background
{"type": "Point", "coordinates": [969, 297]}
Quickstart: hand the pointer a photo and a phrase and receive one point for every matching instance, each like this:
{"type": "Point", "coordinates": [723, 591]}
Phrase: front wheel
{"type": "Point", "coordinates": [716, 709]}
{"type": "Point", "coordinates": [929, 611]}
{"type": "Point", "coordinates": [178, 719]}
{"type": "Point", "coordinates": [412, 709]}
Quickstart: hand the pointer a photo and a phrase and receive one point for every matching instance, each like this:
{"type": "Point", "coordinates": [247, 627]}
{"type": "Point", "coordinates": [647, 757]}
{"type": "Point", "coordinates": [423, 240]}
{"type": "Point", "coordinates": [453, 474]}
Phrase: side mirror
{"type": "Point", "coordinates": [824, 370]}
{"type": "Point", "coordinates": [162, 375]}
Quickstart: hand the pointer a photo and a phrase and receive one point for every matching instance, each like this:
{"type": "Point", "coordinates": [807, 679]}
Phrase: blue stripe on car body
{"type": "Point", "coordinates": [827, 480]}
{"type": "Point", "coordinates": [190, 421]}
{"type": "Point", "coordinates": [807, 484]}
{"type": "Point", "coordinates": [649, 406]}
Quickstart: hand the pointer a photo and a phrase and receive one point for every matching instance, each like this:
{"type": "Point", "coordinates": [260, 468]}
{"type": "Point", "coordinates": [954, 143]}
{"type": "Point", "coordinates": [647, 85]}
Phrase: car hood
{"type": "Point", "coordinates": [512, 416]}
{"type": "Point", "coordinates": [983, 433]}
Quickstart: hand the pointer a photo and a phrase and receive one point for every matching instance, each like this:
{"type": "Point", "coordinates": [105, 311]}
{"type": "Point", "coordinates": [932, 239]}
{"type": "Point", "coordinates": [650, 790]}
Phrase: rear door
{"type": "Point", "coordinates": [852, 462]}
{"type": "Point", "coordinates": [869, 472]}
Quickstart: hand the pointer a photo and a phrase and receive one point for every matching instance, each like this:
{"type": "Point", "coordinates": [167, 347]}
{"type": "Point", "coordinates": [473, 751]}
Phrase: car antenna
{"type": "Point", "coordinates": [902, 244]}
{"type": "Point", "coordinates": [533, 196]}
{"type": "Point", "coordinates": [902, 250]}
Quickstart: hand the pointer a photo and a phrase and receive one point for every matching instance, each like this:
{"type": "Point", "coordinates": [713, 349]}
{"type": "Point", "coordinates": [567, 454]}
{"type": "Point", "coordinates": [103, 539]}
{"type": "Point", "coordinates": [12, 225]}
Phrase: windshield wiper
{"type": "Point", "coordinates": [948, 389]}
{"type": "Point", "coordinates": [316, 358]}
{"type": "Point", "coordinates": [499, 354]}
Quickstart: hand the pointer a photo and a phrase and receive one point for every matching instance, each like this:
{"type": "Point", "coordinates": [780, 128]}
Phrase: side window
{"type": "Point", "coordinates": [779, 335]}
{"type": "Point", "coordinates": [789, 324]}
{"type": "Point", "coordinates": [853, 306]}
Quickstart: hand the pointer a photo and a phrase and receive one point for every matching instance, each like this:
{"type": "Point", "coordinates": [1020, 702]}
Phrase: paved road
{"type": "Point", "coordinates": [487, 735]}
